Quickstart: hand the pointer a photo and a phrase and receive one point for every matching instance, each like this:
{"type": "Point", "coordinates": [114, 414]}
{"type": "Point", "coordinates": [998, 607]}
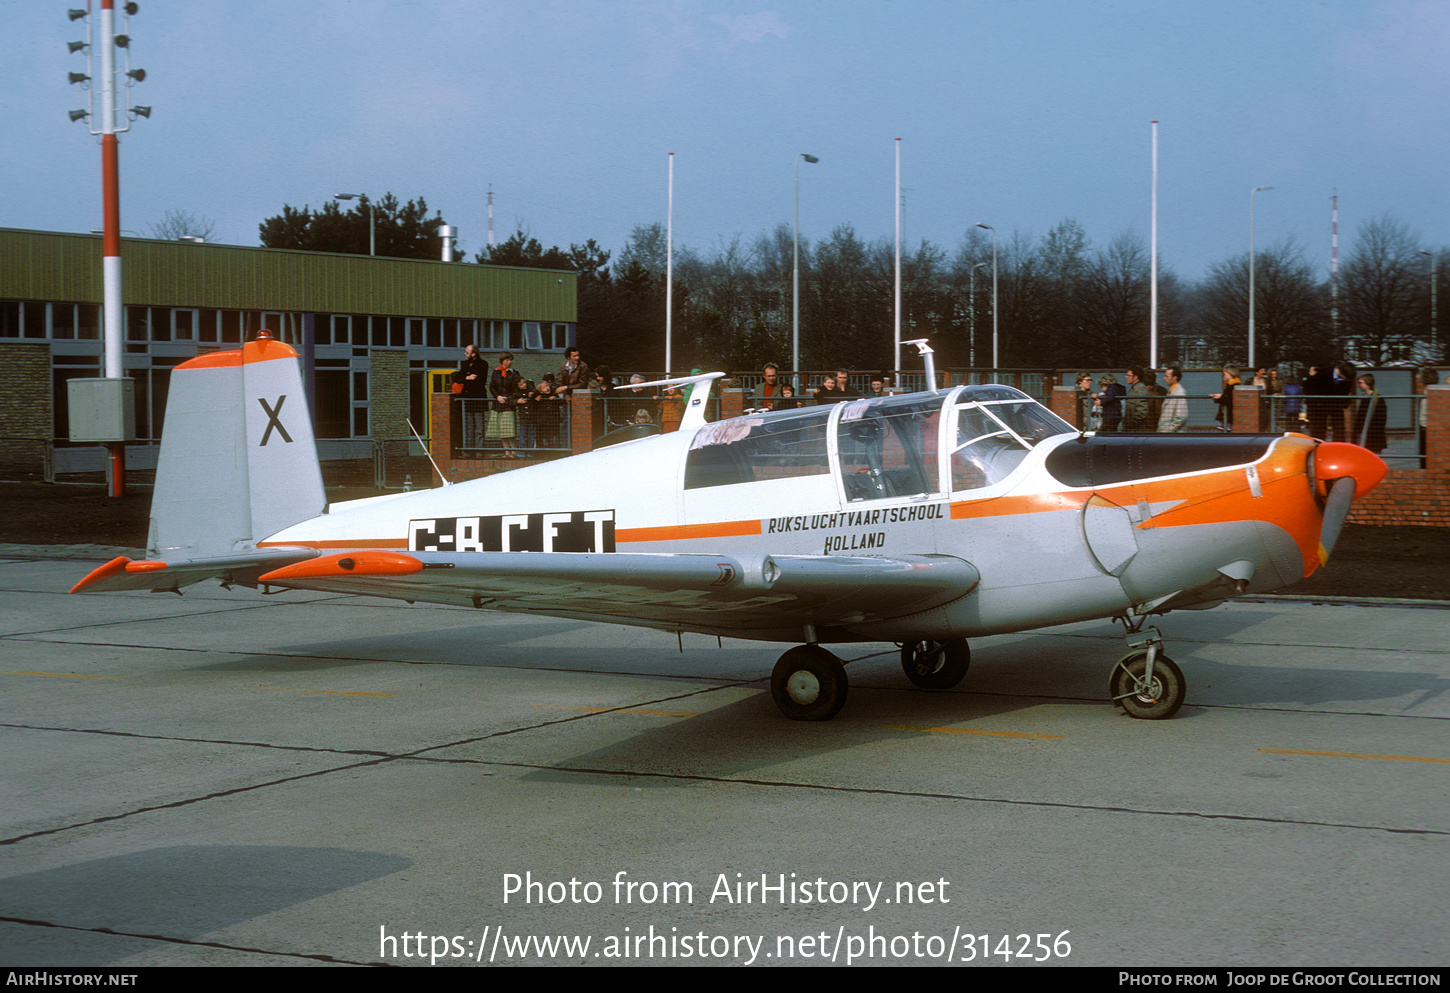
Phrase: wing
{"type": "Point", "coordinates": [745, 595]}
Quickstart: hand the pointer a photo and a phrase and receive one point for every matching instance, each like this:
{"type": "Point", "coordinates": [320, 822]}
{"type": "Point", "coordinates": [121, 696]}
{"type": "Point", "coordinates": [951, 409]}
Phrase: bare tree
{"type": "Point", "coordinates": [1382, 285]}
{"type": "Point", "coordinates": [1113, 299]}
{"type": "Point", "coordinates": [177, 224]}
{"type": "Point", "coordinates": [1291, 315]}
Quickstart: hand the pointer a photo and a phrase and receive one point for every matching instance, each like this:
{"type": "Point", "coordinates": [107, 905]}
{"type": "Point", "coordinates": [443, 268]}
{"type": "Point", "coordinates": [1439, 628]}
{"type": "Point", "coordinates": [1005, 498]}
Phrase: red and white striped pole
{"type": "Point", "coordinates": [111, 232]}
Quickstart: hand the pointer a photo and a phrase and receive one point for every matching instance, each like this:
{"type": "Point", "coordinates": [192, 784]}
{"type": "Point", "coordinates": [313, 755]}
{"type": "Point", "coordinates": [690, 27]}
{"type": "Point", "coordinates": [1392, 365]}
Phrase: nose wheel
{"type": "Point", "coordinates": [1146, 683]}
{"type": "Point", "coordinates": [809, 684]}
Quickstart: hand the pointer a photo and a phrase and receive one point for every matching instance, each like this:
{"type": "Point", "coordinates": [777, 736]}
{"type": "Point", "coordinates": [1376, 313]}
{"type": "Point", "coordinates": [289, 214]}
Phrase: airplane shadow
{"type": "Point", "coordinates": [183, 891]}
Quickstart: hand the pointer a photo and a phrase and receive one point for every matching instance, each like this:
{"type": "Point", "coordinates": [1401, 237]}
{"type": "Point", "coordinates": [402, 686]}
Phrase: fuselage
{"type": "Point", "coordinates": [1060, 526]}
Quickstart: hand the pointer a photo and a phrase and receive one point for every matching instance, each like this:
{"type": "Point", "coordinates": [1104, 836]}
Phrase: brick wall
{"type": "Point", "coordinates": [388, 394]}
{"type": "Point", "coordinates": [25, 406]}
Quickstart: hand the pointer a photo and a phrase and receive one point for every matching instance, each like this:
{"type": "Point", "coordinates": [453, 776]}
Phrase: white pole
{"type": "Point", "coordinates": [795, 273]}
{"type": "Point", "coordinates": [896, 335]}
{"type": "Point", "coordinates": [670, 268]}
{"type": "Point", "coordinates": [1153, 265]}
{"type": "Point", "coordinates": [995, 364]}
{"type": "Point", "coordinates": [1252, 364]}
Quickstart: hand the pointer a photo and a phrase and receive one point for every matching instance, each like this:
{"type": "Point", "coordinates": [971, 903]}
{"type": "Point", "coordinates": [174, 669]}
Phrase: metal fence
{"type": "Point", "coordinates": [538, 427]}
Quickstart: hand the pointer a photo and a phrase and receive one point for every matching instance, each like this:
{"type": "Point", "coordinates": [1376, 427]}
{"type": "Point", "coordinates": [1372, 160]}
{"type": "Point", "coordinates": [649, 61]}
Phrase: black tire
{"type": "Point", "coordinates": [1157, 702]}
{"type": "Point", "coordinates": [936, 665]}
{"type": "Point", "coordinates": [809, 684]}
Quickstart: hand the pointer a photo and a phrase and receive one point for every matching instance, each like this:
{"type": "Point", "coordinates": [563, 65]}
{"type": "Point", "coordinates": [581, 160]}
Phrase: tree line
{"type": "Point", "coordinates": [1064, 301]}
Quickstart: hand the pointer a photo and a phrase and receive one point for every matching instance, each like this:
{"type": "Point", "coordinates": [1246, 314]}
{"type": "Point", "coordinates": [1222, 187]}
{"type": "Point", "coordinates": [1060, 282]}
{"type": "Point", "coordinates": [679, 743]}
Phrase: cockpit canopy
{"type": "Point", "coordinates": [880, 447]}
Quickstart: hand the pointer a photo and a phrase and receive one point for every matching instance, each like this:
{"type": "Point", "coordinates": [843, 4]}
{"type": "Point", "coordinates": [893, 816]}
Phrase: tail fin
{"type": "Point", "coordinates": [238, 461]}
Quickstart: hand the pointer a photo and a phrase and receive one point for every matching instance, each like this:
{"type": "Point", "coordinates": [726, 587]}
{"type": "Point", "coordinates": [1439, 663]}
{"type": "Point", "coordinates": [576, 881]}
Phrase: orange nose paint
{"type": "Point", "coordinates": [1337, 459]}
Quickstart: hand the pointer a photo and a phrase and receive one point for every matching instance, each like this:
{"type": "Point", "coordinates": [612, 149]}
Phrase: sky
{"type": "Point", "coordinates": [1014, 113]}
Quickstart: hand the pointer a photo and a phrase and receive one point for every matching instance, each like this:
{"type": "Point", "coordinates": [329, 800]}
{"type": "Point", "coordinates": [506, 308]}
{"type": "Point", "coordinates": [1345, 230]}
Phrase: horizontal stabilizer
{"type": "Point", "coordinates": [241, 569]}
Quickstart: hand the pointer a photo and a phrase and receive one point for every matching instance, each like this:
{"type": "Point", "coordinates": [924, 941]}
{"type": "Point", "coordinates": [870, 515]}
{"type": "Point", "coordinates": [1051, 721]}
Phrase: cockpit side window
{"type": "Point", "coordinates": [888, 448]}
{"type": "Point", "coordinates": [758, 447]}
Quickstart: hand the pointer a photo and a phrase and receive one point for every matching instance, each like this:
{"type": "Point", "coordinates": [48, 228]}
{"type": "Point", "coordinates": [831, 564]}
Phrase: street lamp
{"type": "Point", "coordinates": [372, 221]}
{"type": "Point", "coordinates": [994, 291]}
{"type": "Point", "coordinates": [1434, 271]}
{"type": "Point", "coordinates": [795, 272]}
{"type": "Point", "coordinates": [972, 316]}
{"type": "Point", "coordinates": [1255, 190]}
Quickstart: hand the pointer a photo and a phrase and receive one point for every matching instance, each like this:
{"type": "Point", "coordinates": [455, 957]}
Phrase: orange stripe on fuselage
{"type": "Point", "coordinates": [1028, 503]}
{"type": "Point", "coordinates": [684, 532]}
{"type": "Point", "coordinates": [339, 543]}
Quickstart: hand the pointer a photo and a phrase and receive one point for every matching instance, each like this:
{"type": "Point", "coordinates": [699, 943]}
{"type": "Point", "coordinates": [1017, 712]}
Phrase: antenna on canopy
{"type": "Point", "coordinates": [926, 353]}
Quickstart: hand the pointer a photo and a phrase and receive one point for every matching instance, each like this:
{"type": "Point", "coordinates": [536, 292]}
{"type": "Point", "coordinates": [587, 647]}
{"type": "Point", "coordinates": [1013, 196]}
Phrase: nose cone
{"type": "Point", "coordinates": [1338, 460]}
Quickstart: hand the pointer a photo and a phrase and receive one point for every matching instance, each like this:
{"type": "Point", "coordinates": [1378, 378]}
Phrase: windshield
{"type": "Point", "coordinates": [994, 434]}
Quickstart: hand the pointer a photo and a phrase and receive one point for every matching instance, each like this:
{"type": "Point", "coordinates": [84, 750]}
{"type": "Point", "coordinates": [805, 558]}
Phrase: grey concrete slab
{"type": "Point", "coordinates": [233, 779]}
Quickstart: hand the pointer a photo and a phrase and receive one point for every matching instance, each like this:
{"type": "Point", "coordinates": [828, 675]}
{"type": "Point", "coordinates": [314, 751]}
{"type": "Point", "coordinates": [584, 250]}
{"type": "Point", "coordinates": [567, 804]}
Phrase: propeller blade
{"type": "Point", "coordinates": [1336, 509]}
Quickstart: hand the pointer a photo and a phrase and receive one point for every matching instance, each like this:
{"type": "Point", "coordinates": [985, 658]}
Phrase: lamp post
{"type": "Point", "coordinates": [1434, 271]}
{"type": "Point", "coordinates": [795, 273]}
{"type": "Point", "coordinates": [1252, 192]}
{"type": "Point", "coordinates": [994, 291]}
{"type": "Point", "coordinates": [972, 316]}
{"type": "Point", "coordinates": [372, 220]}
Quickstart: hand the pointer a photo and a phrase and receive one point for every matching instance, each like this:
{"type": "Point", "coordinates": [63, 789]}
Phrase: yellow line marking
{"type": "Point", "coordinates": [56, 675]}
{"type": "Point", "coordinates": [1354, 755]}
{"type": "Point", "coordinates": [293, 689]}
{"type": "Point", "coordinates": [992, 734]}
{"type": "Point", "coordinates": [616, 710]}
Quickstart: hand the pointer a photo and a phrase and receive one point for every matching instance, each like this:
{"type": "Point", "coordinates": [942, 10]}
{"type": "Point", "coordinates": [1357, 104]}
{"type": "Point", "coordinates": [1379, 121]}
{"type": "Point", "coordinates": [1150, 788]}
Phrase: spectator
{"type": "Point", "coordinates": [1428, 376]}
{"type": "Point", "coordinates": [1110, 401]}
{"type": "Point", "coordinates": [1174, 417]}
{"type": "Point", "coordinates": [470, 384]}
{"type": "Point", "coordinates": [505, 386]}
{"type": "Point", "coordinates": [1225, 400]}
{"type": "Point", "coordinates": [1369, 417]}
{"type": "Point", "coordinates": [1319, 383]}
{"type": "Point", "coordinates": [573, 373]}
{"type": "Point", "coordinates": [1083, 401]}
{"type": "Point", "coordinates": [768, 390]}
{"type": "Point", "coordinates": [1136, 416]}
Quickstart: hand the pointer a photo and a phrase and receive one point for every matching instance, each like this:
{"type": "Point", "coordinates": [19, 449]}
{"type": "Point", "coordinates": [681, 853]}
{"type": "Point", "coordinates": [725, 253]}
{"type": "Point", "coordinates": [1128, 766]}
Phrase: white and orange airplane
{"type": "Point", "coordinates": [924, 520]}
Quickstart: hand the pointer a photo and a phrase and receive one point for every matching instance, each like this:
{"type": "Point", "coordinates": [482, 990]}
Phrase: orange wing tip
{"type": "Point", "coordinates": [1337, 459]}
{"type": "Point", "coordinates": [145, 566]}
{"type": "Point", "coordinates": [348, 564]}
{"type": "Point", "coordinates": [111, 568]}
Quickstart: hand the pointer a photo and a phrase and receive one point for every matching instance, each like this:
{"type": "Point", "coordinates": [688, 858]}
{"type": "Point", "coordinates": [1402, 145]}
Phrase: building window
{"type": "Point", "coordinates": [334, 404]}
{"type": "Point", "coordinates": [231, 326]}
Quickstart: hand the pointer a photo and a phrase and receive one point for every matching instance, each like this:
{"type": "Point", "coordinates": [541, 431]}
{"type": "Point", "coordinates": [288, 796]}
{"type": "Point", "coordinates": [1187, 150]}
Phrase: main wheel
{"type": "Point", "coordinates": [809, 684]}
{"type": "Point", "coordinates": [936, 665]}
{"type": "Point", "coordinates": [1155, 699]}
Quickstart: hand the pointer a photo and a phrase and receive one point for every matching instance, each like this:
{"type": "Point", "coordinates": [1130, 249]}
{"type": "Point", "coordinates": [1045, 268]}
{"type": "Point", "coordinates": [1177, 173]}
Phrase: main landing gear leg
{"type": "Point", "coordinates": [1146, 683]}
{"type": "Point", "coordinates": [809, 684]}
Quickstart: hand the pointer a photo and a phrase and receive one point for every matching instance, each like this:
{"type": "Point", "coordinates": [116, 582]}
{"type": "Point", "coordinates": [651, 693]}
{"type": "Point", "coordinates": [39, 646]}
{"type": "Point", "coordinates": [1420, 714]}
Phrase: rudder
{"type": "Point", "coordinates": [238, 460]}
